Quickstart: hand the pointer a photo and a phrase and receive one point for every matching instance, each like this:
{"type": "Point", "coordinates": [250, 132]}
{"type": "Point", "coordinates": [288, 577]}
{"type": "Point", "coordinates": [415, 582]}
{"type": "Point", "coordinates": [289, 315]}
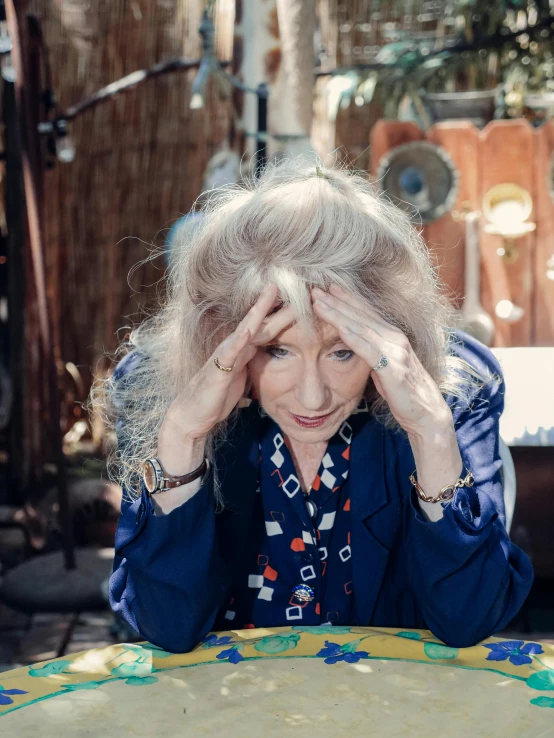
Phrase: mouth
{"type": "Point", "coordinates": [313, 421]}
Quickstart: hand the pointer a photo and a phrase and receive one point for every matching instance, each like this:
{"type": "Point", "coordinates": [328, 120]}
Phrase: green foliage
{"type": "Point", "coordinates": [501, 43]}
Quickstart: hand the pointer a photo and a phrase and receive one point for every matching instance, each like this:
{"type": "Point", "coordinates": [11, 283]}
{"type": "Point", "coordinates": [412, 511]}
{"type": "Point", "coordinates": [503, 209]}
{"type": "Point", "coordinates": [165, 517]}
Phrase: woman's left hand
{"type": "Point", "coordinates": [413, 396]}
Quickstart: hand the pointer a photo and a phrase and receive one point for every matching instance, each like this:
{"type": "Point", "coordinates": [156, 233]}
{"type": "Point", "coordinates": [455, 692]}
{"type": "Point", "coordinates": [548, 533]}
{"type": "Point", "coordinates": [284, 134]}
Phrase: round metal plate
{"type": "Point", "coordinates": [419, 177]}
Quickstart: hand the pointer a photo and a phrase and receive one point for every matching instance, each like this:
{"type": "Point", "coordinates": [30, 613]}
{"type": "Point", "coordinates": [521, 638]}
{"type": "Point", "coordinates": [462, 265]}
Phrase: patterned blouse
{"type": "Point", "coordinates": [299, 558]}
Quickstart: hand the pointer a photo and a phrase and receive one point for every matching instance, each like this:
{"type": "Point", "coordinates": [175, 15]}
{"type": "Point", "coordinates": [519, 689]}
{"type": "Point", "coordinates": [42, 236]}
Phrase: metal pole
{"type": "Point", "coordinates": [261, 139]}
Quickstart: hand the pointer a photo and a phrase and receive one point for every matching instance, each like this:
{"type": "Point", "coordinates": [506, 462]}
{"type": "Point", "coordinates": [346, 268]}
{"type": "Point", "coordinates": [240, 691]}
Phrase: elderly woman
{"type": "Point", "coordinates": [303, 436]}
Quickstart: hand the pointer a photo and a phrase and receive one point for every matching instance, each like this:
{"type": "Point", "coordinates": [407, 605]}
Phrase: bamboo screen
{"type": "Point", "coordinates": [139, 162]}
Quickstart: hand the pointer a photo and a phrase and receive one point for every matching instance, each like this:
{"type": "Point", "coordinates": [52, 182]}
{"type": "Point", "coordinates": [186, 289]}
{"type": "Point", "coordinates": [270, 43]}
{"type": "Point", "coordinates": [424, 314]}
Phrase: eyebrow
{"type": "Point", "coordinates": [330, 342]}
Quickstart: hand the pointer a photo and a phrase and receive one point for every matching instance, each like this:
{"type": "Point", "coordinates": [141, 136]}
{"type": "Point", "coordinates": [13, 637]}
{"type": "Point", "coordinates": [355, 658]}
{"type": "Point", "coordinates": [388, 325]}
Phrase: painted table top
{"type": "Point", "coordinates": [336, 681]}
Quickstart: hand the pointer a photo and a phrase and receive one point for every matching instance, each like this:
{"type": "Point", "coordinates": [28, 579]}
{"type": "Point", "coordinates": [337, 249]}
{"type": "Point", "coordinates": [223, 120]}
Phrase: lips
{"type": "Point", "coordinates": [311, 422]}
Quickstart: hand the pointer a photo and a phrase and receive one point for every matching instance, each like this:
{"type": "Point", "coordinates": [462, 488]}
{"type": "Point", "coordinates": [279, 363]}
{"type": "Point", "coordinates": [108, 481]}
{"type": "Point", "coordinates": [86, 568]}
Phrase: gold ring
{"type": "Point", "coordinates": [223, 368]}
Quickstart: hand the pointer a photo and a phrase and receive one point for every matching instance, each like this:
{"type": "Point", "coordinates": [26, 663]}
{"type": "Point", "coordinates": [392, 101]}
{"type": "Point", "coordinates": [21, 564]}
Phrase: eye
{"type": "Point", "coordinates": [345, 354]}
{"type": "Point", "coordinates": [276, 352]}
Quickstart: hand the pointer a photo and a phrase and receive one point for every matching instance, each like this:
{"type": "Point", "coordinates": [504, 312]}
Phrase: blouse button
{"type": "Point", "coordinates": [306, 558]}
{"type": "Point", "coordinates": [303, 593]}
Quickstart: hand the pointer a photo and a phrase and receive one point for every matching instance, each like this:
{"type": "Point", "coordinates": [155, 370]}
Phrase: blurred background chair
{"type": "Point", "coordinates": [509, 482]}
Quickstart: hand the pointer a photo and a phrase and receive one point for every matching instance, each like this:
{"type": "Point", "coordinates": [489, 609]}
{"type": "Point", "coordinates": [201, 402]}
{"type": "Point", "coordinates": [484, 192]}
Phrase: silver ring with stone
{"type": "Point", "coordinates": [383, 362]}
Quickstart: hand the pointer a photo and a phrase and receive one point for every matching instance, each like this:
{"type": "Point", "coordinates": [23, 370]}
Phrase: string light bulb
{"type": "Point", "coordinates": [65, 149]}
{"type": "Point", "coordinates": [7, 68]}
{"type": "Point", "coordinates": [209, 65]}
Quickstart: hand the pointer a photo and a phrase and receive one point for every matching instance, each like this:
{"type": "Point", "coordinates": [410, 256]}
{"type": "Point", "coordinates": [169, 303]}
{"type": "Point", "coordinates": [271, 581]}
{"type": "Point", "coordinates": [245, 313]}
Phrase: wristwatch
{"type": "Point", "coordinates": [157, 480]}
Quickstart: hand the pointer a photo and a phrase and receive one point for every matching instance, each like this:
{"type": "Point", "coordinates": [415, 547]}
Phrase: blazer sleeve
{"type": "Point", "coordinates": [168, 580]}
{"type": "Point", "coordinates": [468, 578]}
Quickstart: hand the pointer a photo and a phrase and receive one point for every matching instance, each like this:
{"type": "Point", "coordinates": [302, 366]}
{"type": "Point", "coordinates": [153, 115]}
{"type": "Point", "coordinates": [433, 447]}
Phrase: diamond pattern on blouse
{"type": "Point", "coordinates": [291, 485]}
{"type": "Point", "coordinates": [327, 521]}
{"type": "Point", "coordinates": [278, 458]}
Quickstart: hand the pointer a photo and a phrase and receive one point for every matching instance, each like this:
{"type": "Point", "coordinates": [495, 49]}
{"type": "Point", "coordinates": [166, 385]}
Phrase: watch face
{"type": "Point", "coordinates": [149, 476]}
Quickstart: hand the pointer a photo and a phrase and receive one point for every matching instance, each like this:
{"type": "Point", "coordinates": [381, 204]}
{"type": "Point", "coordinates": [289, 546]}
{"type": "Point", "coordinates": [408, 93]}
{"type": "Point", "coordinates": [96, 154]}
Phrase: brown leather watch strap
{"type": "Point", "coordinates": [171, 482]}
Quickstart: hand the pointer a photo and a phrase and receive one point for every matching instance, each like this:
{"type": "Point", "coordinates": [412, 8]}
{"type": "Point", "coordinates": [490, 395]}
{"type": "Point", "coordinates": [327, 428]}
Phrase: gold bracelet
{"type": "Point", "coordinates": [446, 493]}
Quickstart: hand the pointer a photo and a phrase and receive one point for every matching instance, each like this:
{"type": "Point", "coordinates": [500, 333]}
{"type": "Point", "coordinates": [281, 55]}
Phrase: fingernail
{"type": "Point", "coordinates": [322, 304]}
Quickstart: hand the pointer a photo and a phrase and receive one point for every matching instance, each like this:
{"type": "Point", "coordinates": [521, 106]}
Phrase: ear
{"type": "Point", "coordinates": [249, 390]}
{"type": "Point", "coordinates": [248, 395]}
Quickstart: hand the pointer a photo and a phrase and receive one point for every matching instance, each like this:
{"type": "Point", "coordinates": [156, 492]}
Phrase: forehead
{"type": "Point", "coordinates": [295, 335]}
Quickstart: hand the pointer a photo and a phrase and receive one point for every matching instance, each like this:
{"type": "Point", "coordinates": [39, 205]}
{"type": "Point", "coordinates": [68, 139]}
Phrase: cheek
{"type": "Point", "coordinates": [351, 381]}
{"type": "Point", "coordinates": [270, 378]}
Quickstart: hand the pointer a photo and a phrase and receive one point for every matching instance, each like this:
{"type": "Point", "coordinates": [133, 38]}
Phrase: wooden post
{"type": "Point", "coordinates": [285, 65]}
{"type": "Point", "coordinates": [17, 25]}
{"type": "Point", "coordinates": [18, 465]}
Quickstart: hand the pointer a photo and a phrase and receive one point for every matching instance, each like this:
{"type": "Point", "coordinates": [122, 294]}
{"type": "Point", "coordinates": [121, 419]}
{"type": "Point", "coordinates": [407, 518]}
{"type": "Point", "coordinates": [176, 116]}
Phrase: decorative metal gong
{"type": "Point", "coordinates": [419, 175]}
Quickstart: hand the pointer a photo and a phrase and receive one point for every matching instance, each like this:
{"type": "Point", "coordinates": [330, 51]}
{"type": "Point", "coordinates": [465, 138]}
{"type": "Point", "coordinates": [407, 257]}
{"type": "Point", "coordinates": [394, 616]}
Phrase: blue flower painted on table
{"type": "Point", "coordinates": [516, 651]}
{"type": "Point", "coordinates": [332, 653]}
{"type": "Point", "coordinates": [5, 695]}
{"type": "Point", "coordinates": [214, 640]}
{"type": "Point", "coordinates": [233, 655]}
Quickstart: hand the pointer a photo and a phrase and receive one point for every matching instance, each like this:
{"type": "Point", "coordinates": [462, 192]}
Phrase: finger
{"type": "Point", "coordinates": [358, 303]}
{"type": "Point", "coordinates": [336, 315]}
{"type": "Point", "coordinates": [363, 335]}
{"type": "Point", "coordinates": [246, 355]}
{"type": "Point", "coordinates": [355, 301]}
{"type": "Point", "coordinates": [273, 325]}
{"type": "Point", "coordinates": [369, 351]}
{"type": "Point", "coordinates": [336, 303]}
{"type": "Point", "coordinates": [229, 351]}
{"type": "Point", "coordinates": [258, 312]}
{"type": "Point", "coordinates": [367, 317]}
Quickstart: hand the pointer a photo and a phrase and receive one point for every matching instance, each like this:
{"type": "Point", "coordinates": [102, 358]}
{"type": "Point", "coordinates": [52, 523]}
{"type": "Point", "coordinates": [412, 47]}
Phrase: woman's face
{"type": "Point", "coordinates": [297, 378]}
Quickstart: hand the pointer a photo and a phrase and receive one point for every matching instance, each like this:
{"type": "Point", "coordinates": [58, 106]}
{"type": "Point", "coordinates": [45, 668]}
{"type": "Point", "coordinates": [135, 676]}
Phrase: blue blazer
{"type": "Point", "coordinates": [460, 577]}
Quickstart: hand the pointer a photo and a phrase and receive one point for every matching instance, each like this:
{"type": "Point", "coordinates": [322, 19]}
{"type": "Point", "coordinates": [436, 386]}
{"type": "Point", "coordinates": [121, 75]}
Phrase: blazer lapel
{"type": "Point", "coordinates": [370, 516]}
{"type": "Point", "coordinates": [238, 470]}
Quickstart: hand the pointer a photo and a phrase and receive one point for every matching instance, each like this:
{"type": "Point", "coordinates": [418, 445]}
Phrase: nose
{"type": "Point", "coordinates": [312, 391]}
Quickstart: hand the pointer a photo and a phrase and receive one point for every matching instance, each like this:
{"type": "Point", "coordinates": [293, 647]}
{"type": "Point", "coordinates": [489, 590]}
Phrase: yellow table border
{"type": "Point", "coordinates": [529, 662]}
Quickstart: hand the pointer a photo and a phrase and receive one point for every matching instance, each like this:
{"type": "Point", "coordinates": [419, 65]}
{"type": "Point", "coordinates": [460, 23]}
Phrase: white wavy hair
{"type": "Point", "coordinates": [299, 224]}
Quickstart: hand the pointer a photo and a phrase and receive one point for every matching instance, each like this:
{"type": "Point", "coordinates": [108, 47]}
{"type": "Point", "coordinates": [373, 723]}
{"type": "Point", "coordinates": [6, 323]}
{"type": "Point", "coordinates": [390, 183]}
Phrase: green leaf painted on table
{"type": "Point", "coordinates": [139, 681]}
{"type": "Point", "coordinates": [54, 667]}
{"type": "Point", "coordinates": [543, 680]}
{"type": "Point", "coordinates": [351, 646]}
{"type": "Point", "coordinates": [277, 644]}
{"type": "Point", "coordinates": [543, 701]}
{"type": "Point", "coordinates": [136, 669]}
{"type": "Point", "coordinates": [322, 629]}
{"type": "Point", "coordinates": [407, 634]}
{"type": "Point", "coordinates": [82, 685]}
{"type": "Point", "coordinates": [438, 651]}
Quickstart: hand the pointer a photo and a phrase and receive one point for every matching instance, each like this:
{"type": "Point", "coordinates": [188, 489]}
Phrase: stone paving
{"type": "Point", "coordinates": [26, 639]}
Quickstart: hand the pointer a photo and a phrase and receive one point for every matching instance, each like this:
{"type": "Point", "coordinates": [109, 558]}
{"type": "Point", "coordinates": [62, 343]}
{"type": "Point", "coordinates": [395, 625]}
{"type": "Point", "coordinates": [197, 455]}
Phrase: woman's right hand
{"type": "Point", "coordinates": [213, 393]}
